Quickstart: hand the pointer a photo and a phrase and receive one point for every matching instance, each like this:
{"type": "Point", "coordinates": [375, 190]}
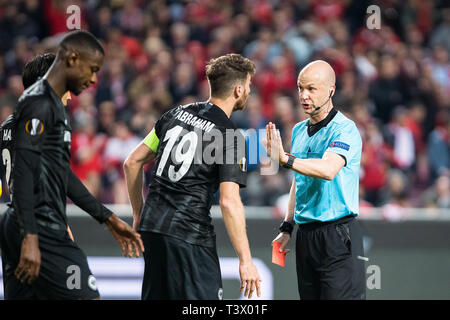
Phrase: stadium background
{"type": "Point", "coordinates": [394, 82]}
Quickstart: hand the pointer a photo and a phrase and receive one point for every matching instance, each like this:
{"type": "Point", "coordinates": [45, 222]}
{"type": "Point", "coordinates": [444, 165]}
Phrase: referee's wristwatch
{"type": "Point", "coordinates": [290, 162]}
{"type": "Point", "coordinates": [286, 227]}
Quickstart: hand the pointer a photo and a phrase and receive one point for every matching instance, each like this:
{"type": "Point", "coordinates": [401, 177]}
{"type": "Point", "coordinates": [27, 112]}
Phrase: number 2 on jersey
{"type": "Point", "coordinates": [6, 157]}
{"type": "Point", "coordinates": [185, 158]}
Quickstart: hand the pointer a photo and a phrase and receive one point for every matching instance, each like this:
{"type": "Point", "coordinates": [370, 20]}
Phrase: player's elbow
{"type": "Point", "coordinates": [229, 204]}
{"type": "Point", "coordinates": [329, 174]}
{"type": "Point", "coordinates": [130, 163]}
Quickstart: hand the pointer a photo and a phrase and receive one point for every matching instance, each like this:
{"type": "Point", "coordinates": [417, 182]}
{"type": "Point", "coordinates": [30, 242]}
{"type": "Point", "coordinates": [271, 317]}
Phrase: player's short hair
{"type": "Point", "coordinates": [36, 68]}
{"type": "Point", "coordinates": [226, 71]}
{"type": "Point", "coordinates": [82, 40]}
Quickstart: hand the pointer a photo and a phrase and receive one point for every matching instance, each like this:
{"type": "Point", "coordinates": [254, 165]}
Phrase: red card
{"type": "Point", "coordinates": [277, 256]}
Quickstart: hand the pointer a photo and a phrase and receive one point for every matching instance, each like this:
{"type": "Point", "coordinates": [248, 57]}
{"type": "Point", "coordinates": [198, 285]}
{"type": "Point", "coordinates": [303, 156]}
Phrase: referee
{"type": "Point", "coordinates": [323, 201]}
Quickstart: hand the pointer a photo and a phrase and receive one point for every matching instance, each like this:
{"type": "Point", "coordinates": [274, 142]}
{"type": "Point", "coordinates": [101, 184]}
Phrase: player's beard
{"type": "Point", "coordinates": [240, 104]}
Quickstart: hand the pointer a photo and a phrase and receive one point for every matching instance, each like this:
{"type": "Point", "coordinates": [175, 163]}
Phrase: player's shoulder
{"type": "Point", "coordinates": [39, 91]}
{"type": "Point", "coordinates": [341, 121]}
{"type": "Point", "coordinates": [299, 125]}
{"type": "Point", "coordinates": [35, 99]}
{"type": "Point", "coordinates": [8, 123]}
{"type": "Point", "coordinates": [205, 114]}
{"type": "Point", "coordinates": [343, 125]}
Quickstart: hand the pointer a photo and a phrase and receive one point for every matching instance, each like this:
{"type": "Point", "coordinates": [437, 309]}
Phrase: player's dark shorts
{"type": "Point", "coordinates": [177, 270]}
{"type": "Point", "coordinates": [64, 271]}
{"type": "Point", "coordinates": [330, 260]}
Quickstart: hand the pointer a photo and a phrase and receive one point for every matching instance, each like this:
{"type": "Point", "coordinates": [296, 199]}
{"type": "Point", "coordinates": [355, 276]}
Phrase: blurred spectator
{"type": "Point", "coordinates": [438, 196]}
{"type": "Point", "coordinates": [117, 149]}
{"type": "Point", "coordinates": [386, 91]}
{"type": "Point", "coordinates": [439, 148]}
{"type": "Point", "coordinates": [401, 139]}
{"type": "Point", "coordinates": [86, 151]}
{"type": "Point", "coordinates": [440, 35]}
{"type": "Point", "coordinates": [396, 196]}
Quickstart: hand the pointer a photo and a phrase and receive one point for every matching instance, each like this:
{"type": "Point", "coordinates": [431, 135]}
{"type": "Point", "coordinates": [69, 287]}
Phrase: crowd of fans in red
{"type": "Point", "coordinates": [394, 82]}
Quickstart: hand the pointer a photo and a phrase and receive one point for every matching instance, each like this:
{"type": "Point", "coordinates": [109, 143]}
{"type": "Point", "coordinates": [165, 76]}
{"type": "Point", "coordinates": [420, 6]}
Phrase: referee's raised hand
{"type": "Point", "coordinates": [274, 144]}
{"type": "Point", "coordinates": [129, 240]}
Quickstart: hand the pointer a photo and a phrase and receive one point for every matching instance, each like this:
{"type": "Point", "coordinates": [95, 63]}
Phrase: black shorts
{"type": "Point", "coordinates": [177, 270]}
{"type": "Point", "coordinates": [64, 272]}
{"type": "Point", "coordinates": [330, 260]}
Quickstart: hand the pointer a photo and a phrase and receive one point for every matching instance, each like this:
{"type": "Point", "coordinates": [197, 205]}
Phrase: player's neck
{"type": "Point", "coordinates": [226, 105]}
{"type": "Point", "coordinates": [56, 79]}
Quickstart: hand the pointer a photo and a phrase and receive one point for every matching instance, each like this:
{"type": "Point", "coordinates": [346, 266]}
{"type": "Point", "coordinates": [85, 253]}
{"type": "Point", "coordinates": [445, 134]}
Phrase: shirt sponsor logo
{"type": "Point", "coordinates": [338, 144]}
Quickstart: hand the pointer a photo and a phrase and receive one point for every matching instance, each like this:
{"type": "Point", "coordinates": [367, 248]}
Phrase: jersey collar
{"type": "Point", "coordinates": [314, 128]}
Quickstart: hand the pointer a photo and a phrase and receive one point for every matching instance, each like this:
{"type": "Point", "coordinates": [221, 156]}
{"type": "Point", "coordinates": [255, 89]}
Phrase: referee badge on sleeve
{"type": "Point", "coordinates": [339, 144]}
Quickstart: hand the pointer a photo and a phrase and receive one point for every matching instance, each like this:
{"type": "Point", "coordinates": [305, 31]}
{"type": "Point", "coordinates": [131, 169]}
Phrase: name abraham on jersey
{"type": "Point", "coordinates": [195, 121]}
{"type": "Point", "coordinates": [7, 135]}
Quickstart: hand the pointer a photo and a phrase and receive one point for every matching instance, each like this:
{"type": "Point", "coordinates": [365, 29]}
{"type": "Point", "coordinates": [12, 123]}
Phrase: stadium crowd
{"type": "Point", "coordinates": [394, 82]}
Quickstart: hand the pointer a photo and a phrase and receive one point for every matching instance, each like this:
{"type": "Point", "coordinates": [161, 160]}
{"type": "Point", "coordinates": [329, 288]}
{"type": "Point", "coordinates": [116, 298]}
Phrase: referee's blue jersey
{"type": "Point", "coordinates": [319, 199]}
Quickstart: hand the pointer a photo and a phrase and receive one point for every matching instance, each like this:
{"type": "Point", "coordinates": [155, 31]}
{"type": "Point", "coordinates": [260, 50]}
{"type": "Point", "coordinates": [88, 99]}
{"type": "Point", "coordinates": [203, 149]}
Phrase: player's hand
{"type": "Point", "coordinates": [274, 144]}
{"type": "Point", "coordinates": [129, 240]}
{"type": "Point", "coordinates": [283, 238]}
{"type": "Point", "coordinates": [30, 259]}
{"type": "Point", "coordinates": [250, 279]}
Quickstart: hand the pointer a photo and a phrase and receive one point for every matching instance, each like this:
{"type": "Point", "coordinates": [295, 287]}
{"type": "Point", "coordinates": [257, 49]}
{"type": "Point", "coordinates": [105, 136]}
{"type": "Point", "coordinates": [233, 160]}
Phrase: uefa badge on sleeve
{"type": "Point", "coordinates": [34, 127]}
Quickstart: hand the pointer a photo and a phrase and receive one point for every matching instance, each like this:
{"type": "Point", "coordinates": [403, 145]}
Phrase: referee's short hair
{"type": "Point", "coordinates": [36, 68]}
{"type": "Point", "coordinates": [226, 71]}
{"type": "Point", "coordinates": [81, 40]}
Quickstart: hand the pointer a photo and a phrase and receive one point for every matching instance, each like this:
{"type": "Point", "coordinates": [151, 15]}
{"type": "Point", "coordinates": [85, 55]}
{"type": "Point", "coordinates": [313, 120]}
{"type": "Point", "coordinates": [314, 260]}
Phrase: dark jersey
{"type": "Point", "coordinates": [6, 148]}
{"type": "Point", "coordinates": [41, 129]}
{"type": "Point", "coordinates": [199, 147]}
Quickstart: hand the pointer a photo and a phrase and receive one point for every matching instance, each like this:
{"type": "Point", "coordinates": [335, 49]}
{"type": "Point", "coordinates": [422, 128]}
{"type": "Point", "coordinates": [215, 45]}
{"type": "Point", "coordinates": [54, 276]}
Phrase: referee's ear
{"type": "Point", "coordinates": [332, 91]}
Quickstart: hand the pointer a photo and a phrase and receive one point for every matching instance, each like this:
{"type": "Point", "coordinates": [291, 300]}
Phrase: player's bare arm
{"type": "Point", "coordinates": [234, 218]}
{"type": "Point", "coordinates": [325, 168]}
{"type": "Point", "coordinates": [133, 168]}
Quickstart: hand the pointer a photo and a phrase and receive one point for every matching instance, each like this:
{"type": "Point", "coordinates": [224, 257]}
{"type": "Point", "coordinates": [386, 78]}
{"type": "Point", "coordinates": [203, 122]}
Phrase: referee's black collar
{"type": "Point", "coordinates": [314, 128]}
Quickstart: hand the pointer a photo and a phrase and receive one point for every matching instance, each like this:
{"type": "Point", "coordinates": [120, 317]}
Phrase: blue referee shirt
{"type": "Point", "coordinates": [320, 199]}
